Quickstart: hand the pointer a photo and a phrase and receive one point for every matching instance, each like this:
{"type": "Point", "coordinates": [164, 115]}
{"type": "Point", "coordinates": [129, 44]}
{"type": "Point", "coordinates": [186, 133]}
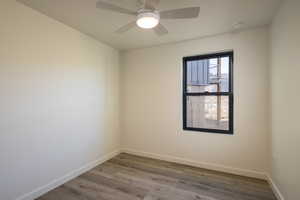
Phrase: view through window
{"type": "Point", "coordinates": [208, 95]}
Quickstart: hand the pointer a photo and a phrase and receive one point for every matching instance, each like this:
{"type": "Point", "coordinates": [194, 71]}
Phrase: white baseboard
{"type": "Point", "coordinates": [210, 166]}
{"type": "Point", "coordinates": [275, 189]}
{"type": "Point", "coordinates": [60, 181]}
{"type": "Point", "coordinates": [231, 170]}
{"type": "Point", "coordinates": [71, 175]}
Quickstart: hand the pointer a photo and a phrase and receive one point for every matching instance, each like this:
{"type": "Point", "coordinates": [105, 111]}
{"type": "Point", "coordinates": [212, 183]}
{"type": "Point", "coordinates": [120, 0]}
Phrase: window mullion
{"type": "Point", "coordinates": [208, 94]}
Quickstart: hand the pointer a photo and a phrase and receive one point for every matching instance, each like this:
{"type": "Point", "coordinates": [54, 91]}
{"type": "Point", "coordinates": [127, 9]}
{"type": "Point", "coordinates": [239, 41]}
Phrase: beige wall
{"type": "Point", "coordinates": [152, 99]}
{"type": "Point", "coordinates": [285, 99]}
{"type": "Point", "coordinates": [59, 100]}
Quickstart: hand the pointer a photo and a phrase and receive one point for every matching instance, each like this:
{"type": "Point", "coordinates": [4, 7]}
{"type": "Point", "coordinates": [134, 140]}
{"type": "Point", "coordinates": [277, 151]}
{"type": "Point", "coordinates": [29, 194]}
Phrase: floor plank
{"type": "Point", "coordinates": [130, 177]}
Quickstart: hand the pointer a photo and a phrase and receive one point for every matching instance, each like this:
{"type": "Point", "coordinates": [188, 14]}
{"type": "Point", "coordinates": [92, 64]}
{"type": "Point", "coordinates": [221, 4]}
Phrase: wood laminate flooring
{"type": "Point", "coordinates": [130, 177]}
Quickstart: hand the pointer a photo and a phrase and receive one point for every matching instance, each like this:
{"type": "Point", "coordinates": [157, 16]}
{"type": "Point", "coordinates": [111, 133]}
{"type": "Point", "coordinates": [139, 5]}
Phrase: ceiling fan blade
{"type": "Point", "coordinates": [161, 30]}
{"type": "Point", "coordinates": [151, 4]}
{"type": "Point", "coordinates": [183, 13]}
{"type": "Point", "coordinates": [108, 6]}
{"type": "Point", "coordinates": [127, 27]}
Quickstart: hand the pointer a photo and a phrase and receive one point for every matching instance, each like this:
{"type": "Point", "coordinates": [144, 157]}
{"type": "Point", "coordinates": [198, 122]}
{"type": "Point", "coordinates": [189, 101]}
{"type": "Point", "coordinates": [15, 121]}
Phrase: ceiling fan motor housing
{"type": "Point", "coordinates": [148, 19]}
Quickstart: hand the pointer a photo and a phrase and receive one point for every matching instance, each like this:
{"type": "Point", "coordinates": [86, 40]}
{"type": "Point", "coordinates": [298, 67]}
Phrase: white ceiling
{"type": "Point", "coordinates": [216, 16]}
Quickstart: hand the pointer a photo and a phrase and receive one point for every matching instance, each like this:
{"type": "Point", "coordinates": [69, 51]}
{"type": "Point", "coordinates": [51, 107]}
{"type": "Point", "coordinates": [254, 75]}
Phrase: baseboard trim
{"type": "Point", "coordinates": [275, 189]}
{"type": "Point", "coordinates": [226, 169]}
{"type": "Point", "coordinates": [71, 175]}
{"type": "Point", "coordinates": [231, 170]}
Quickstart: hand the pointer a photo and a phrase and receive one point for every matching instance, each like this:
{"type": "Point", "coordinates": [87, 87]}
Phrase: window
{"type": "Point", "coordinates": [208, 93]}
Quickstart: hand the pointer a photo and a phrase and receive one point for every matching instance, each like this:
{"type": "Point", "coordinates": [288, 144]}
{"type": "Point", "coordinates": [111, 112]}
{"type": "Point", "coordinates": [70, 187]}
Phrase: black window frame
{"type": "Point", "coordinates": [230, 95]}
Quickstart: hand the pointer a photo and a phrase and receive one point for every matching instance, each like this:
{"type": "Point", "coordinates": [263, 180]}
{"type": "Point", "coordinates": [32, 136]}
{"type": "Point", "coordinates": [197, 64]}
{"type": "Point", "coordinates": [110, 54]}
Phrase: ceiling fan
{"type": "Point", "coordinates": [148, 17]}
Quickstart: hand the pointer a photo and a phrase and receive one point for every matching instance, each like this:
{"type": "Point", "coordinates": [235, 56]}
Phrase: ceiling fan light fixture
{"type": "Point", "coordinates": [148, 20]}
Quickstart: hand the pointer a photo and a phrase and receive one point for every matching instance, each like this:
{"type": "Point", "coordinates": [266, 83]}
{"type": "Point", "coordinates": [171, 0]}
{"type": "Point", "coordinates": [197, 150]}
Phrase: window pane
{"type": "Point", "coordinates": [208, 75]}
{"type": "Point", "coordinates": [208, 112]}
